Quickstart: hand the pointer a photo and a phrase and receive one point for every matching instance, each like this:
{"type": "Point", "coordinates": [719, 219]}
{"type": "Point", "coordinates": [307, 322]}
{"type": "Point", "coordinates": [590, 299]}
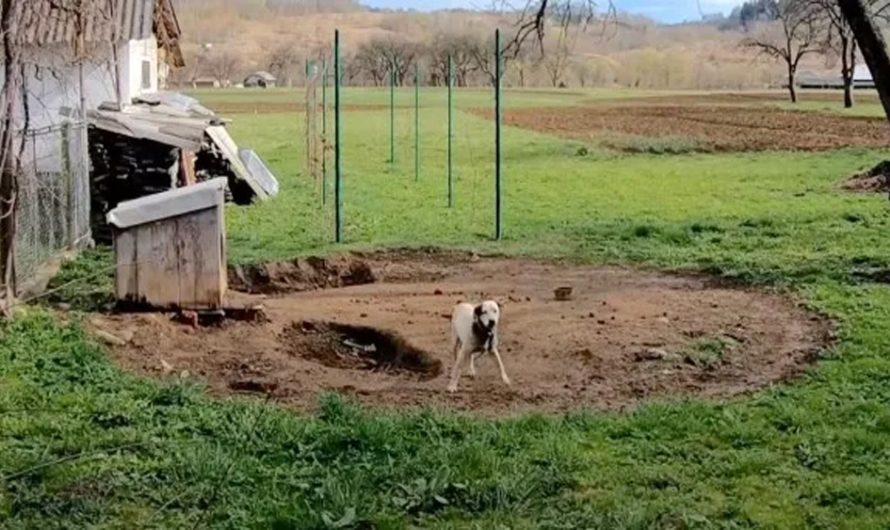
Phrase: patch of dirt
{"type": "Point", "coordinates": [875, 180]}
{"type": "Point", "coordinates": [714, 128]}
{"type": "Point", "coordinates": [359, 348]}
{"type": "Point", "coordinates": [622, 337]}
{"type": "Point", "coordinates": [738, 98]}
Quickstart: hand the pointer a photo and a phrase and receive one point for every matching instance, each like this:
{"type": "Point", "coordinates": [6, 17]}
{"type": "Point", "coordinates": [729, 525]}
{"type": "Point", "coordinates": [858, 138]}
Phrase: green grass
{"type": "Point", "coordinates": [666, 145]}
{"type": "Point", "coordinates": [85, 284]}
{"type": "Point", "coordinates": [815, 453]}
{"type": "Point", "coordinates": [868, 109]}
{"type": "Point", "coordinates": [431, 96]}
{"type": "Point", "coordinates": [706, 352]}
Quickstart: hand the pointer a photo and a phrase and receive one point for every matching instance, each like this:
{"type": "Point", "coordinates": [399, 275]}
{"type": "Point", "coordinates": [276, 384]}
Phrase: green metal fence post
{"type": "Point", "coordinates": [416, 122]}
{"type": "Point", "coordinates": [450, 130]}
{"type": "Point", "coordinates": [498, 226]}
{"type": "Point", "coordinates": [392, 113]}
{"type": "Point", "coordinates": [338, 174]}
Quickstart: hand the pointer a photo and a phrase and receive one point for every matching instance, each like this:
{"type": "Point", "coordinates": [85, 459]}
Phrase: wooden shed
{"type": "Point", "coordinates": [170, 248]}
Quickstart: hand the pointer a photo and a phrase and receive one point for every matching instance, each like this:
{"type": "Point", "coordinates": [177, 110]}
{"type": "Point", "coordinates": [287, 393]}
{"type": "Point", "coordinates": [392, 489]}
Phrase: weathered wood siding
{"type": "Point", "coordinates": [178, 262]}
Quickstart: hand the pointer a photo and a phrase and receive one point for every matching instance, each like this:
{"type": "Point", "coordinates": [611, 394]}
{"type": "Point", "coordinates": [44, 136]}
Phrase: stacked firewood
{"type": "Point", "coordinates": [123, 169]}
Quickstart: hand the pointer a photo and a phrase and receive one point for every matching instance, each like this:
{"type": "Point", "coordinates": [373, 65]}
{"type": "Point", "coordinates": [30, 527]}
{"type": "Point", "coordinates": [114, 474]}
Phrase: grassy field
{"type": "Point", "coordinates": [84, 445]}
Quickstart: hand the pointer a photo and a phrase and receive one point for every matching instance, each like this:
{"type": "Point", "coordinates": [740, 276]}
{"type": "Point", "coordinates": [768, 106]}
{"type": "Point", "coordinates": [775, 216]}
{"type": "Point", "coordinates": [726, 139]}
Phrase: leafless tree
{"type": "Point", "coordinates": [583, 72]}
{"type": "Point", "coordinates": [284, 62]}
{"type": "Point", "coordinates": [369, 60]}
{"type": "Point", "coordinates": [535, 16]}
{"type": "Point", "coordinates": [461, 49]}
{"type": "Point", "coordinates": [223, 65]}
{"type": "Point", "coordinates": [795, 31]}
{"type": "Point", "coordinates": [524, 62]}
{"type": "Point", "coordinates": [381, 57]}
{"type": "Point", "coordinates": [557, 54]}
{"type": "Point", "coordinates": [840, 39]}
{"type": "Point", "coordinates": [400, 56]}
{"type": "Point", "coordinates": [484, 59]}
{"type": "Point", "coordinates": [351, 71]}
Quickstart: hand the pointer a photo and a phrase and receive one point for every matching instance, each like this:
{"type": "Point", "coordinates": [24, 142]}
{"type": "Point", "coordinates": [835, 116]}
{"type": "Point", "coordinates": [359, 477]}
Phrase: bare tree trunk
{"type": "Point", "coordinates": [554, 77]}
{"type": "Point", "coordinates": [873, 46]}
{"type": "Point", "coordinates": [9, 154]}
{"type": "Point", "coordinates": [848, 68]}
{"type": "Point", "coordinates": [792, 90]}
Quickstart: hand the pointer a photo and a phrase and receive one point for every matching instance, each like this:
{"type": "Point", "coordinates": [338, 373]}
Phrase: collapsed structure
{"type": "Point", "coordinates": [162, 142]}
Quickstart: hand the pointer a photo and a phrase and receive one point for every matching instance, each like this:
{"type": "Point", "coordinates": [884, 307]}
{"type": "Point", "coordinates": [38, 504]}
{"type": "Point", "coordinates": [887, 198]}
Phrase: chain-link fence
{"type": "Point", "coordinates": [54, 196]}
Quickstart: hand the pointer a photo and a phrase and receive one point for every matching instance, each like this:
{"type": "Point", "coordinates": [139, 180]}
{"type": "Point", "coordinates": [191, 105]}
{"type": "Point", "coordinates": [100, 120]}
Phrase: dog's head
{"type": "Point", "coordinates": [487, 314]}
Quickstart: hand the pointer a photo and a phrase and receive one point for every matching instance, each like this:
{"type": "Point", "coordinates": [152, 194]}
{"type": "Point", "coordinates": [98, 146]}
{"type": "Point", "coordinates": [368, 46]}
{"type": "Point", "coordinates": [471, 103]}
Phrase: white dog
{"type": "Point", "coordinates": [474, 333]}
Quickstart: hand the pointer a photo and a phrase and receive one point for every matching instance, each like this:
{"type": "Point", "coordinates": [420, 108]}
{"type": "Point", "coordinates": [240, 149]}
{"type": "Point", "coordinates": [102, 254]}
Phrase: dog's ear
{"type": "Point", "coordinates": [477, 311]}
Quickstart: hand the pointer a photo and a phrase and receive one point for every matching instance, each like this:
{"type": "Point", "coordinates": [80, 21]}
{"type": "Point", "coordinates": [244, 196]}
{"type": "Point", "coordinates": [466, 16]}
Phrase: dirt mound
{"type": "Point", "coordinates": [622, 337]}
{"type": "Point", "coordinates": [710, 128]}
{"type": "Point", "coordinates": [299, 275]}
{"type": "Point", "coordinates": [359, 348]}
{"type": "Point", "coordinates": [876, 179]}
{"type": "Point", "coordinates": [358, 268]}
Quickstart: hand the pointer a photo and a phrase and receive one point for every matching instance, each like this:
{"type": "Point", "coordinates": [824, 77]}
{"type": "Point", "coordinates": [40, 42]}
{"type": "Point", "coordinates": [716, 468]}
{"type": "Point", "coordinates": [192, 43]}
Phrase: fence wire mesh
{"type": "Point", "coordinates": [53, 212]}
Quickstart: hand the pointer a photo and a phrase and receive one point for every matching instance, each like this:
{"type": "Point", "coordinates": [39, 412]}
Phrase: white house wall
{"type": "Point", "coordinates": [53, 87]}
{"type": "Point", "coordinates": [132, 55]}
{"type": "Point", "coordinates": [53, 97]}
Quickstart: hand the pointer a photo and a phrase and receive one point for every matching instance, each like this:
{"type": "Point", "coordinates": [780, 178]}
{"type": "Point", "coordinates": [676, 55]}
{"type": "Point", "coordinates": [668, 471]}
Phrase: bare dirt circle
{"type": "Point", "coordinates": [623, 335]}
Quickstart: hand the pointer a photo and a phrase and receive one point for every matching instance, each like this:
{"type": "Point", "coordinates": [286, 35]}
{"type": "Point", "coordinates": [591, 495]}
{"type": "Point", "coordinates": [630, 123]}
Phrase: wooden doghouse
{"type": "Point", "coordinates": [170, 248]}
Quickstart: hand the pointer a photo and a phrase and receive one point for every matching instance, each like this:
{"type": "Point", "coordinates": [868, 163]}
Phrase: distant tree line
{"type": "Point", "coordinates": [374, 61]}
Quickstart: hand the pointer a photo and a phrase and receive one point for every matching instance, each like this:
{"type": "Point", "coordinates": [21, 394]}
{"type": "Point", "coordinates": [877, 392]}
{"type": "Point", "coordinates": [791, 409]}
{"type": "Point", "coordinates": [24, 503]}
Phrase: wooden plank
{"type": "Point", "coordinates": [223, 251]}
{"type": "Point", "coordinates": [126, 273]}
{"type": "Point", "coordinates": [200, 270]}
{"type": "Point", "coordinates": [190, 251]}
{"type": "Point", "coordinates": [187, 168]}
{"type": "Point", "coordinates": [158, 264]}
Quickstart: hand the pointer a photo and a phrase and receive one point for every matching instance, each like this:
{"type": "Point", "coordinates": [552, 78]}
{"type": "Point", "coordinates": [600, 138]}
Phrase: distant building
{"type": "Point", "coordinates": [260, 79]}
{"type": "Point", "coordinates": [205, 82]}
{"type": "Point", "coordinates": [861, 79]}
{"type": "Point", "coordinates": [816, 81]}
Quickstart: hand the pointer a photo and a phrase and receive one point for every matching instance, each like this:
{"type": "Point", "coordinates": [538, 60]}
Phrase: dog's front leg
{"type": "Point", "coordinates": [456, 369]}
{"type": "Point", "coordinates": [473, 357]}
{"type": "Point", "coordinates": [497, 356]}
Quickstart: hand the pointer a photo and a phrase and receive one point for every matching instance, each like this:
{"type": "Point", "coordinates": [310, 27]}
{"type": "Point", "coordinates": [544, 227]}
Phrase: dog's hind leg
{"type": "Point", "coordinates": [497, 356]}
{"type": "Point", "coordinates": [455, 346]}
{"type": "Point", "coordinates": [456, 369]}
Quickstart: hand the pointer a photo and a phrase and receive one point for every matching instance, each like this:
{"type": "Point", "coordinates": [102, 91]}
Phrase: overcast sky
{"type": "Point", "coordinates": [661, 10]}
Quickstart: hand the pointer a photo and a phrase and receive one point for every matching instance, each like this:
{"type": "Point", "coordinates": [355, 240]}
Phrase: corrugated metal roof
{"type": "Point", "coordinates": [263, 74]}
{"type": "Point", "coordinates": [48, 22]}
